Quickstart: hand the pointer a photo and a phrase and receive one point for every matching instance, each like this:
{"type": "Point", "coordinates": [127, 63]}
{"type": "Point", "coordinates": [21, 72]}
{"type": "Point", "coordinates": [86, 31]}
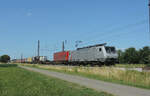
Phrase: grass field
{"type": "Point", "coordinates": [130, 65]}
{"type": "Point", "coordinates": [109, 74]}
{"type": "Point", "coordinates": [15, 81]}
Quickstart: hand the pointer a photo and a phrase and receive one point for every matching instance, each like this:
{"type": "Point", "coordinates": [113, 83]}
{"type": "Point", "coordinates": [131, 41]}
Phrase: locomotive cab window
{"type": "Point", "coordinates": [110, 49]}
{"type": "Point", "coordinates": [100, 49]}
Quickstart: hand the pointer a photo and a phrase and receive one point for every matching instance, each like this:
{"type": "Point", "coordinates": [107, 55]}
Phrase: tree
{"type": "Point", "coordinates": [120, 56]}
{"type": "Point", "coordinates": [144, 55]}
{"type": "Point", "coordinates": [131, 56]}
{"type": "Point", "coordinates": [5, 58]}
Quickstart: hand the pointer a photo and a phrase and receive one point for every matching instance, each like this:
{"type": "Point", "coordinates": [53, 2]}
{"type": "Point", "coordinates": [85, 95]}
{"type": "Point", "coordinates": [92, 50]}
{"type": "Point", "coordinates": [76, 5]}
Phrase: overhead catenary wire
{"type": "Point", "coordinates": [121, 35]}
{"type": "Point", "coordinates": [113, 31]}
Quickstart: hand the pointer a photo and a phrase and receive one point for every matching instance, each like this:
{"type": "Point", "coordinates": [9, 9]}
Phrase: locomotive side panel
{"type": "Point", "coordinates": [83, 55]}
{"type": "Point", "coordinates": [89, 54]}
{"type": "Point", "coordinates": [100, 54]}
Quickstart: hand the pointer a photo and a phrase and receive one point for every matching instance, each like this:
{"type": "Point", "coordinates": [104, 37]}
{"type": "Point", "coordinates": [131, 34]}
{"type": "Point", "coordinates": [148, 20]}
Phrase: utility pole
{"type": "Point", "coordinates": [21, 58]}
{"type": "Point", "coordinates": [63, 46]}
{"type": "Point", "coordinates": [149, 15]}
{"type": "Point", "coordinates": [38, 50]}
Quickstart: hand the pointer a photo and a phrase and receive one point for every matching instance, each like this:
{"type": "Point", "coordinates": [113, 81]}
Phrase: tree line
{"type": "Point", "coordinates": [133, 56]}
{"type": "Point", "coordinates": [4, 58]}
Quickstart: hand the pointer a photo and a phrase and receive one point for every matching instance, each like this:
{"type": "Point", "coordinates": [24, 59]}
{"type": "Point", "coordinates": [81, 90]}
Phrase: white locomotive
{"type": "Point", "coordinates": [98, 53]}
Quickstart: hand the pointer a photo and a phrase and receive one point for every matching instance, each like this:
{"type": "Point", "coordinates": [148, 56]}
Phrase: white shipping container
{"type": "Point", "coordinates": [43, 58]}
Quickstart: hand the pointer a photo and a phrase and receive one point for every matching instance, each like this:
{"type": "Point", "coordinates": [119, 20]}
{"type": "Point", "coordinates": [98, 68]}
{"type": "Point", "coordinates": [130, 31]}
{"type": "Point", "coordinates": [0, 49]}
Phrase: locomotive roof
{"type": "Point", "coordinates": [93, 46]}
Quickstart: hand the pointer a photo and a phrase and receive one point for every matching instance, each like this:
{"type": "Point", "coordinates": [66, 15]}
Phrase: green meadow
{"type": "Point", "coordinates": [16, 81]}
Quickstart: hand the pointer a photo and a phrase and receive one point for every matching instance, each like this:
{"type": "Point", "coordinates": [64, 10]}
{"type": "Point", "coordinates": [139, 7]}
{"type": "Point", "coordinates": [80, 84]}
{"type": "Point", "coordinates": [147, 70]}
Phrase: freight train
{"type": "Point", "coordinates": [99, 54]}
{"type": "Point", "coordinates": [94, 55]}
{"type": "Point", "coordinates": [32, 60]}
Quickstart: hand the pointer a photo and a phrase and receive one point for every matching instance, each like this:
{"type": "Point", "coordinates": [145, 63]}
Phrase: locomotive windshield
{"type": "Point", "coordinates": [110, 49]}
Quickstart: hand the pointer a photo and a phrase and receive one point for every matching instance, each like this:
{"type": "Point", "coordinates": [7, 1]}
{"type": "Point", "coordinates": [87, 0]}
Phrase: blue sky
{"type": "Point", "coordinates": [120, 23]}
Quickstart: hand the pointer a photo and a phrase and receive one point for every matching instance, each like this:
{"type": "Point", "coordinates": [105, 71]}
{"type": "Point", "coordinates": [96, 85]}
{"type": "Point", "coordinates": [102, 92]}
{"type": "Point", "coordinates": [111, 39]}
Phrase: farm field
{"type": "Point", "coordinates": [16, 81]}
{"type": "Point", "coordinates": [109, 74]}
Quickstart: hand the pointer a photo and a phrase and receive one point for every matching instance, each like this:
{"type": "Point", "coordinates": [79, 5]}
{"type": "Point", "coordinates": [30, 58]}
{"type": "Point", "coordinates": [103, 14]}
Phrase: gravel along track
{"type": "Point", "coordinates": [115, 89]}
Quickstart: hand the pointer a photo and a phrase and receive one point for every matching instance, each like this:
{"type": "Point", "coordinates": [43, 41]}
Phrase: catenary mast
{"type": "Point", "coordinates": [38, 50]}
{"type": "Point", "coordinates": [149, 15]}
{"type": "Point", "coordinates": [63, 46]}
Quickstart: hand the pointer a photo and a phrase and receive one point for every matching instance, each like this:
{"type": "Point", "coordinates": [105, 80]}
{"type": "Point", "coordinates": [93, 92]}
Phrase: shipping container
{"type": "Point", "coordinates": [26, 60]}
{"type": "Point", "coordinates": [29, 59]}
{"type": "Point", "coordinates": [23, 60]}
{"type": "Point", "coordinates": [18, 60]}
{"type": "Point", "coordinates": [43, 58]}
{"type": "Point", "coordinates": [61, 56]}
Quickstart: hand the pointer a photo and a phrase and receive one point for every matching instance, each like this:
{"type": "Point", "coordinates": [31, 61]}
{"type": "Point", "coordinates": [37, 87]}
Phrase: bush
{"type": "Point", "coordinates": [133, 56]}
{"type": "Point", "coordinates": [8, 65]}
{"type": "Point", "coordinates": [148, 65]}
{"type": "Point", "coordinates": [5, 58]}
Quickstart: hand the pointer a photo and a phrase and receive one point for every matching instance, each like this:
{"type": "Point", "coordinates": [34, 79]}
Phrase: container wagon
{"type": "Point", "coordinates": [61, 57]}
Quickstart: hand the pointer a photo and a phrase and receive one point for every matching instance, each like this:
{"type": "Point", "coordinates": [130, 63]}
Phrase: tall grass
{"type": "Point", "coordinates": [15, 81]}
{"type": "Point", "coordinates": [111, 74]}
{"type": "Point", "coordinates": [130, 65]}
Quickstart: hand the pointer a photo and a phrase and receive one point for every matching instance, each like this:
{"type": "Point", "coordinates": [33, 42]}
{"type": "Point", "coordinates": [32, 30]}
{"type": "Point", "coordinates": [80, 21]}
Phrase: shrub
{"type": "Point", "coordinates": [5, 58]}
{"type": "Point", "coordinates": [148, 65]}
{"type": "Point", "coordinates": [8, 65]}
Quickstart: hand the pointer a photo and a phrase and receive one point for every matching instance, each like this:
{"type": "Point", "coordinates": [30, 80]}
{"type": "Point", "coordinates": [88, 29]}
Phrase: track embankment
{"type": "Point", "coordinates": [115, 89]}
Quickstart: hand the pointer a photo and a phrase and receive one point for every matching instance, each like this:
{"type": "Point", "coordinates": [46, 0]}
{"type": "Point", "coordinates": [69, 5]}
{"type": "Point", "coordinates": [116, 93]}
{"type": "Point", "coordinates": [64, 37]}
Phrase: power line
{"type": "Point", "coordinates": [105, 34]}
{"type": "Point", "coordinates": [120, 34]}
